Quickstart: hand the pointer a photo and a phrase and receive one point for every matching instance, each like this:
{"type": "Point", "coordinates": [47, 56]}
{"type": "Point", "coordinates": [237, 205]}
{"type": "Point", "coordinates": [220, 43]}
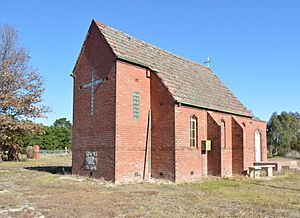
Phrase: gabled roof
{"type": "Point", "coordinates": [189, 83]}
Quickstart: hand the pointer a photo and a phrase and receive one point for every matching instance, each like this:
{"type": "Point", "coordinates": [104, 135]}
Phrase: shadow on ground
{"type": "Point", "coordinates": [61, 170]}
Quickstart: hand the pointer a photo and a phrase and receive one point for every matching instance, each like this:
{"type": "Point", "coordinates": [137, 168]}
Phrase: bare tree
{"type": "Point", "coordinates": [21, 89]}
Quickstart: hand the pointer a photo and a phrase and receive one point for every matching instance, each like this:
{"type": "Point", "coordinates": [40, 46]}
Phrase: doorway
{"type": "Point", "coordinates": [257, 139]}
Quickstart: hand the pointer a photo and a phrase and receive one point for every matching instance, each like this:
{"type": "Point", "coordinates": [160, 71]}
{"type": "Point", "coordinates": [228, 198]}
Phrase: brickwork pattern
{"type": "Point", "coordinates": [163, 130]}
{"type": "Point", "coordinates": [131, 134]}
{"type": "Point", "coordinates": [94, 132]}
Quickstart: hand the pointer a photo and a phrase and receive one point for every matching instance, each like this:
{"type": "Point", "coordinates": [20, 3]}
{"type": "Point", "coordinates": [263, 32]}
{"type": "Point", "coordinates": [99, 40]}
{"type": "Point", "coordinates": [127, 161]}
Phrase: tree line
{"type": "Point", "coordinates": [283, 133]}
{"type": "Point", "coordinates": [54, 137]}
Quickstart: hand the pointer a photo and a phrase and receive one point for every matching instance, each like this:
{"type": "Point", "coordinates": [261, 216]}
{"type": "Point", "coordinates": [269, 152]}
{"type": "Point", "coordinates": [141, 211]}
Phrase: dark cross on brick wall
{"type": "Point", "coordinates": [92, 85]}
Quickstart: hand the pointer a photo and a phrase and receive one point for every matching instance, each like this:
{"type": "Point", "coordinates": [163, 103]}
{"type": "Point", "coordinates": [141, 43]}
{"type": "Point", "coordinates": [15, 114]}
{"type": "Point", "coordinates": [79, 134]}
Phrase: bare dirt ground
{"type": "Point", "coordinates": [45, 188]}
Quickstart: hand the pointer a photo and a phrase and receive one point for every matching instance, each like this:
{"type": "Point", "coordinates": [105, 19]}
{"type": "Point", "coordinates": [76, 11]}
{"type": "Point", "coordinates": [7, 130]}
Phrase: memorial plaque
{"type": "Point", "coordinates": [91, 160]}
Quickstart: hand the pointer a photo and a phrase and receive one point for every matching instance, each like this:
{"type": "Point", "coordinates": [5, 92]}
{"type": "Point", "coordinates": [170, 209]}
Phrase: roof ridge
{"type": "Point", "coordinates": [98, 23]}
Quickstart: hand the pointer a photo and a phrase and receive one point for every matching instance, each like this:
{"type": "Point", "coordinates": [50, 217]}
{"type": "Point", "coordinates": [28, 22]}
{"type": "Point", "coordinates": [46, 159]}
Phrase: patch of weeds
{"type": "Point", "coordinates": [284, 176]}
{"type": "Point", "coordinates": [253, 196]}
{"type": "Point", "coordinates": [293, 175]}
{"type": "Point", "coordinates": [45, 178]}
{"type": "Point", "coordinates": [215, 185]}
{"type": "Point", "coordinates": [255, 181]}
{"type": "Point", "coordinates": [72, 178]}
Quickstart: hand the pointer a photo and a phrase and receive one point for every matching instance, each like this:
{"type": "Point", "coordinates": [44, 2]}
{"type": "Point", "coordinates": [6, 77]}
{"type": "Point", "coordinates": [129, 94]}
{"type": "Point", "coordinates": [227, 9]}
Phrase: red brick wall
{"type": "Point", "coordinates": [163, 130]}
{"type": "Point", "coordinates": [250, 126]}
{"type": "Point", "coordinates": [226, 143]}
{"type": "Point", "coordinates": [237, 148]}
{"type": "Point", "coordinates": [214, 156]}
{"type": "Point", "coordinates": [189, 161]}
{"type": "Point", "coordinates": [233, 148]}
{"type": "Point", "coordinates": [94, 132]}
{"type": "Point", "coordinates": [131, 134]}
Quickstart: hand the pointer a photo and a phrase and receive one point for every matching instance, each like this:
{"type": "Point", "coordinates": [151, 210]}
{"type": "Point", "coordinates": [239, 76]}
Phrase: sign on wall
{"type": "Point", "coordinates": [91, 160]}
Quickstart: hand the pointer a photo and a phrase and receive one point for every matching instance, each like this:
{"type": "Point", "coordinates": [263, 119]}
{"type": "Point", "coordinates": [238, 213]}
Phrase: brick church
{"type": "Point", "coordinates": [141, 112]}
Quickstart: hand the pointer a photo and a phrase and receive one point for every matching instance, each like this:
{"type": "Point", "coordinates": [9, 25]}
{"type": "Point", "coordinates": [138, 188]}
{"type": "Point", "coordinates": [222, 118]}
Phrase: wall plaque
{"type": "Point", "coordinates": [91, 160]}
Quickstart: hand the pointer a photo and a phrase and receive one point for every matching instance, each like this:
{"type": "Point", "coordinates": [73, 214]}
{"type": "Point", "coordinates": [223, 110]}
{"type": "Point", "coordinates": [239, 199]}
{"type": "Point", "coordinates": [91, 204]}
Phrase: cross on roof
{"type": "Point", "coordinates": [91, 85]}
{"type": "Point", "coordinates": [207, 62]}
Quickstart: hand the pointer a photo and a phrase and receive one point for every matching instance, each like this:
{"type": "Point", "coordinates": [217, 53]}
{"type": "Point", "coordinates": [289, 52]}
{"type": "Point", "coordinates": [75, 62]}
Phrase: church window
{"type": "Point", "coordinates": [193, 131]}
{"type": "Point", "coordinates": [223, 133]}
{"type": "Point", "coordinates": [136, 105]}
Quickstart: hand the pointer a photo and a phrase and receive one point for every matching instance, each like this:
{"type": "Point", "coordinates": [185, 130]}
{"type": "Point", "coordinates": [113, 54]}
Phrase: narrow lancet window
{"type": "Point", "coordinates": [223, 134]}
{"type": "Point", "coordinates": [193, 131]}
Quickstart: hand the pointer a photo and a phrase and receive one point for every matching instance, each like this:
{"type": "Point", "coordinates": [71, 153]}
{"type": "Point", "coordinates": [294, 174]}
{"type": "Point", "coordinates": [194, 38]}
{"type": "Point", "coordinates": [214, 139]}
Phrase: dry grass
{"type": "Point", "coordinates": [28, 192]}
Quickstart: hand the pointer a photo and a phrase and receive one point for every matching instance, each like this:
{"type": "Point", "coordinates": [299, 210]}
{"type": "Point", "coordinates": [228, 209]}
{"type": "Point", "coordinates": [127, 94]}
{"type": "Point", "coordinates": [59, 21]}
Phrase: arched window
{"type": "Point", "coordinates": [193, 131]}
{"type": "Point", "coordinates": [257, 139]}
{"type": "Point", "coordinates": [223, 134]}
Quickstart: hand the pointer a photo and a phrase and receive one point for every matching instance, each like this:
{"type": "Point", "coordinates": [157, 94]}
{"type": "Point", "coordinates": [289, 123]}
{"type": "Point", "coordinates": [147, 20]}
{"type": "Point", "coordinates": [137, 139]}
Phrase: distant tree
{"type": "Point", "coordinates": [21, 89]}
{"type": "Point", "coordinates": [297, 145]}
{"type": "Point", "coordinates": [58, 137]}
{"type": "Point", "coordinates": [55, 137]}
{"type": "Point", "coordinates": [62, 122]}
{"type": "Point", "coordinates": [283, 133]}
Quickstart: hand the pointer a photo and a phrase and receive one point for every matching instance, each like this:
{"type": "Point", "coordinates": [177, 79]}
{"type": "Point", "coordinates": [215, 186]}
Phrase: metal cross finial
{"type": "Point", "coordinates": [207, 62]}
{"type": "Point", "coordinates": [91, 85]}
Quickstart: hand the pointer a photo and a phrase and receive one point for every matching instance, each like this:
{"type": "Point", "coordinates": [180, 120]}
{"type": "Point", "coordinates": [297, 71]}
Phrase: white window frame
{"type": "Point", "coordinates": [193, 131]}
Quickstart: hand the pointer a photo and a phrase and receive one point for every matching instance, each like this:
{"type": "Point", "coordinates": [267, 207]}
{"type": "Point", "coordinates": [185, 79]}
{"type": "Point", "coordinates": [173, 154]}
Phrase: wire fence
{"type": "Point", "coordinates": [45, 153]}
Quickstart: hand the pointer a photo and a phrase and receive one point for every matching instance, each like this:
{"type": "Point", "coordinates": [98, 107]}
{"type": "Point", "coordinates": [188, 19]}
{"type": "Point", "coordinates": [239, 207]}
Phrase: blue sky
{"type": "Point", "coordinates": [255, 45]}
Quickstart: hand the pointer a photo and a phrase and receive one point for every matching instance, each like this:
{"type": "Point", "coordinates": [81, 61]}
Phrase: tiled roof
{"type": "Point", "coordinates": [190, 83]}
